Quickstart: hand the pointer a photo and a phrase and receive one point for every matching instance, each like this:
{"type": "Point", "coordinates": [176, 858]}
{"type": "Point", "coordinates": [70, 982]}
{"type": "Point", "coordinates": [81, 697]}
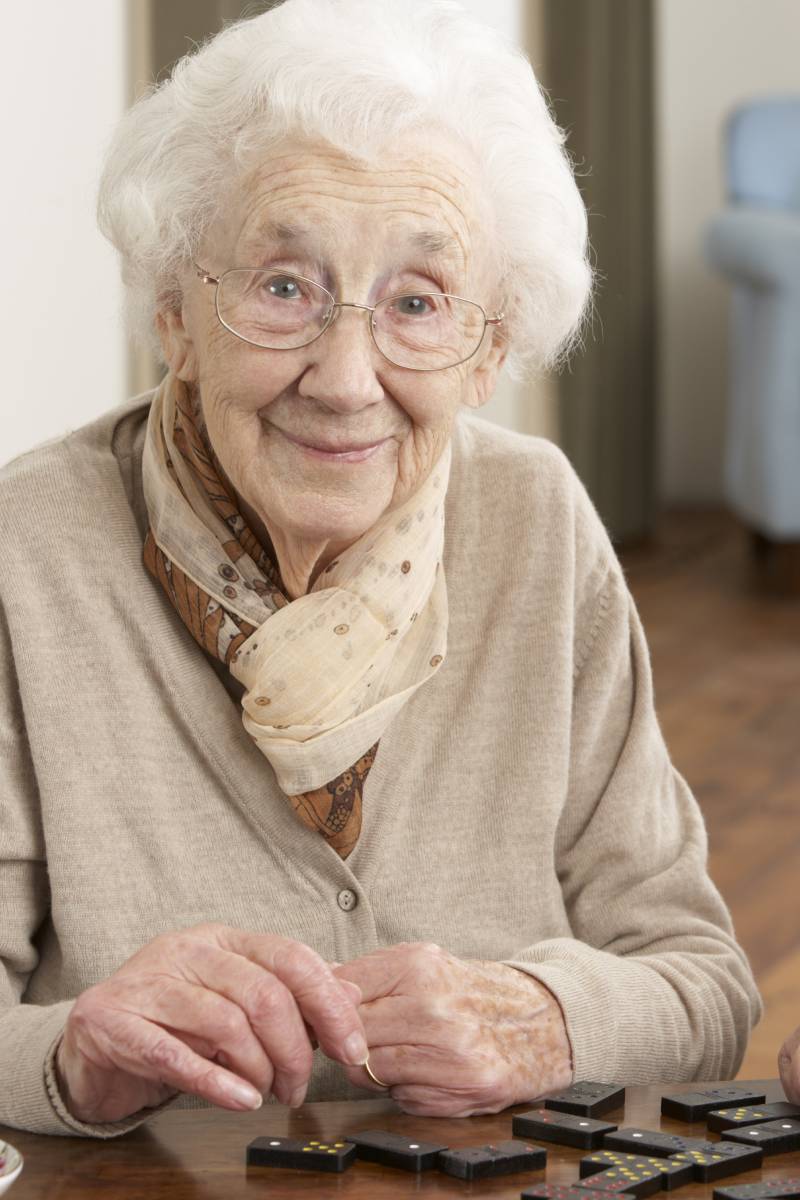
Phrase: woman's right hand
{"type": "Point", "coordinates": [214, 1011]}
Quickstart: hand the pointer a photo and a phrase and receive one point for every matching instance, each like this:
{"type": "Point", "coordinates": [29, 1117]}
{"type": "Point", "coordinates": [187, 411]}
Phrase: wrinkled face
{"type": "Point", "coordinates": [320, 441]}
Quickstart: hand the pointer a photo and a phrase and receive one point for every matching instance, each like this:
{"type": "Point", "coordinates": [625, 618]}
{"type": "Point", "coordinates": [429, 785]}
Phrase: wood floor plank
{"type": "Point", "coordinates": [781, 996]}
{"type": "Point", "coordinates": [726, 666]}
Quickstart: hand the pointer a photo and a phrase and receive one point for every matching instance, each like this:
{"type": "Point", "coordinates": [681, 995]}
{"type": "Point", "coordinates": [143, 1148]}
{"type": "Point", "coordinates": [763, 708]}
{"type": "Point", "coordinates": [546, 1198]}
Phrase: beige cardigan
{"type": "Point", "coordinates": [521, 808]}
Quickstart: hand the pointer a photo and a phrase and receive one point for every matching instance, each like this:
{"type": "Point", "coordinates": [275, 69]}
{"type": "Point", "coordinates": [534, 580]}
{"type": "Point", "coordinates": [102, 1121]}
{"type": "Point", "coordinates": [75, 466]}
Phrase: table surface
{"type": "Point", "coordinates": [200, 1154]}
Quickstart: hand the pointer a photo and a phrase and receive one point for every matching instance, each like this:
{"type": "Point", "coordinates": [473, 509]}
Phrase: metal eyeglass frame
{"type": "Point", "coordinates": [335, 305]}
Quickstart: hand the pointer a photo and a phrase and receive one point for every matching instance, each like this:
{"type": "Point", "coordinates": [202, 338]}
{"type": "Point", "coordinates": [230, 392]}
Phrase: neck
{"type": "Point", "coordinates": [299, 560]}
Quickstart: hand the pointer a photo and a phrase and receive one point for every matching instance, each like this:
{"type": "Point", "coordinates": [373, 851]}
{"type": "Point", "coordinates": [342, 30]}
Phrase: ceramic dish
{"type": "Point", "coordinates": [10, 1166]}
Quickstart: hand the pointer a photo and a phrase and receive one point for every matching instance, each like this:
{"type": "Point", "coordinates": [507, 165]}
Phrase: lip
{"type": "Point", "coordinates": [333, 454]}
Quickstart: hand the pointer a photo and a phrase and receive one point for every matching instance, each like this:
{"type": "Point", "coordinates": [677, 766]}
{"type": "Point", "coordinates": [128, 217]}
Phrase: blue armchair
{"type": "Point", "coordinates": [755, 242]}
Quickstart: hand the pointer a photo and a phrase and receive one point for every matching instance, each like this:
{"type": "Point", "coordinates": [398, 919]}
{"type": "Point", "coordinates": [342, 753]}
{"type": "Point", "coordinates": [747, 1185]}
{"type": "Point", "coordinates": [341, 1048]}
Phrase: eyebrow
{"type": "Point", "coordinates": [433, 242]}
{"type": "Point", "coordinates": [428, 241]}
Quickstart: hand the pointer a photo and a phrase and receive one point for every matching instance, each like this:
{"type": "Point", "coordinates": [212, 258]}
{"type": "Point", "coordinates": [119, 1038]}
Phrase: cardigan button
{"type": "Point", "coordinates": [347, 900]}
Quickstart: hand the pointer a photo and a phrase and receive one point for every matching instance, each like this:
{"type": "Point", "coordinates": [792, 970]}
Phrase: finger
{"type": "Point", "coordinates": [323, 1000]}
{"type": "Point", "coordinates": [405, 1020]}
{"type": "Point", "coordinates": [384, 971]}
{"type": "Point", "coordinates": [270, 1009]}
{"type": "Point", "coordinates": [426, 1066]}
{"type": "Point", "coordinates": [376, 974]}
{"type": "Point", "coordinates": [140, 1048]}
{"type": "Point", "coordinates": [207, 1021]}
{"type": "Point", "coordinates": [353, 991]}
{"type": "Point", "coordinates": [438, 1102]}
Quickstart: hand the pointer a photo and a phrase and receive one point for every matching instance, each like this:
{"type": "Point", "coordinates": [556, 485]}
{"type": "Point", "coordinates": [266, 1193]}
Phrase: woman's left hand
{"type": "Point", "coordinates": [453, 1037]}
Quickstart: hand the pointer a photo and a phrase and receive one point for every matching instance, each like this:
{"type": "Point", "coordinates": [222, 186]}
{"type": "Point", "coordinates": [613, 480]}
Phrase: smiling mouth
{"type": "Point", "coordinates": [350, 452]}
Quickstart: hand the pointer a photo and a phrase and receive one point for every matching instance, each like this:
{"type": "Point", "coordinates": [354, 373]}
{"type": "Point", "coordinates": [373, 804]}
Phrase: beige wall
{"type": "Point", "coordinates": [710, 54]}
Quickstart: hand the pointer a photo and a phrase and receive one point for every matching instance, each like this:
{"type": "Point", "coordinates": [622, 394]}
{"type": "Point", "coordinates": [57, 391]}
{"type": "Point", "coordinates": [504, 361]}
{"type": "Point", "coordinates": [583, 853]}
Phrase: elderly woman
{"type": "Point", "coordinates": [328, 720]}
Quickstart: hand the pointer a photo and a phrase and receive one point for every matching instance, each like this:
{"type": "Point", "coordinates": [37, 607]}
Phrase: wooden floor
{"type": "Point", "coordinates": [726, 661]}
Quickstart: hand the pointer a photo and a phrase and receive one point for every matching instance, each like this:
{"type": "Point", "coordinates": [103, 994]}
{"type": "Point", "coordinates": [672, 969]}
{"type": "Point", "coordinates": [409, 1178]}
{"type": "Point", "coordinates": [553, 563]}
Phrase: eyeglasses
{"type": "Point", "coordinates": [423, 331]}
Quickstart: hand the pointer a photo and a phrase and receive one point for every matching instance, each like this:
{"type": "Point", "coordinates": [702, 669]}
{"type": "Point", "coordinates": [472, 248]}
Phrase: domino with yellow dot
{"type": "Point", "coordinates": [311, 1155]}
{"type": "Point", "coordinates": [636, 1173]}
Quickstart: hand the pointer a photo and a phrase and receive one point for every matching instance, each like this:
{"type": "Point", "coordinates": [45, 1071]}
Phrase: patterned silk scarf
{"type": "Point", "coordinates": [326, 673]}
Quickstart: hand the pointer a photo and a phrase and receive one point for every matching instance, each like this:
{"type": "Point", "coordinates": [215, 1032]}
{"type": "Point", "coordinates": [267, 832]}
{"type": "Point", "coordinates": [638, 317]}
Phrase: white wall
{"type": "Point", "coordinates": [710, 54]}
{"type": "Point", "coordinates": [62, 87]}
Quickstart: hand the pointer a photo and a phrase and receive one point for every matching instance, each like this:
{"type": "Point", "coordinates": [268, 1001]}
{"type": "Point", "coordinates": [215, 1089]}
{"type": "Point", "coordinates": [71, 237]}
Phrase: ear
{"type": "Point", "coordinates": [482, 380]}
{"type": "Point", "coordinates": [177, 345]}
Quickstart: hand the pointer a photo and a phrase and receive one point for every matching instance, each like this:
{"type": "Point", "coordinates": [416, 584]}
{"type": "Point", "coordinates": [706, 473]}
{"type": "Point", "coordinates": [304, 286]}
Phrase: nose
{"type": "Point", "coordinates": [342, 372]}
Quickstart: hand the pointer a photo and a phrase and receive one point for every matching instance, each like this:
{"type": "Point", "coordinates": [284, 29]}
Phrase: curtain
{"type": "Point", "coordinates": [599, 74]}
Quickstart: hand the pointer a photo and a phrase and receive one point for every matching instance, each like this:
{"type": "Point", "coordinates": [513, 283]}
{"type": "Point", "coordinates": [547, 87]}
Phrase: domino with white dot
{"type": "Point", "coordinates": [567, 1129]}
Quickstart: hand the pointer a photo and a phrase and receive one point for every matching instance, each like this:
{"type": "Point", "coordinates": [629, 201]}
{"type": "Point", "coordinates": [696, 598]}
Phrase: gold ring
{"type": "Point", "coordinates": [373, 1076]}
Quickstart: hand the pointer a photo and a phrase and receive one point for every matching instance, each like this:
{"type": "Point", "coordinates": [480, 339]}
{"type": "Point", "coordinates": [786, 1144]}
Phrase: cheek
{"type": "Point", "coordinates": [235, 387]}
{"type": "Point", "coordinates": [238, 381]}
{"type": "Point", "coordinates": [432, 401]}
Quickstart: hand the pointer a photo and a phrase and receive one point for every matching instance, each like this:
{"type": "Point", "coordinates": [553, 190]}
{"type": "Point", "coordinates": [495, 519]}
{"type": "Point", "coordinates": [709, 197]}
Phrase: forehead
{"type": "Point", "coordinates": [423, 196]}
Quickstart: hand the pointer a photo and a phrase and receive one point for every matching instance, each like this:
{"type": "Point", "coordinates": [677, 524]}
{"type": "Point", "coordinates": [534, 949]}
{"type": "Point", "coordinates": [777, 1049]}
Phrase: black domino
{"type": "Point", "coordinates": [768, 1189]}
{"type": "Point", "coordinates": [632, 1183]}
{"type": "Point", "coordinates": [722, 1159]}
{"type": "Point", "coordinates": [711, 1160]}
{"type": "Point", "coordinates": [638, 1167]}
{"type": "Point", "coordinates": [396, 1150]}
{"type": "Point", "coordinates": [652, 1141]}
{"type": "Point", "coordinates": [484, 1162]}
{"type": "Point", "coordinates": [729, 1118]}
{"type": "Point", "coordinates": [774, 1137]}
{"type": "Point", "coordinates": [693, 1106]}
{"type": "Point", "coordinates": [587, 1099]}
{"type": "Point", "coordinates": [546, 1125]}
{"type": "Point", "coordinates": [567, 1191]}
{"type": "Point", "coordinates": [297, 1152]}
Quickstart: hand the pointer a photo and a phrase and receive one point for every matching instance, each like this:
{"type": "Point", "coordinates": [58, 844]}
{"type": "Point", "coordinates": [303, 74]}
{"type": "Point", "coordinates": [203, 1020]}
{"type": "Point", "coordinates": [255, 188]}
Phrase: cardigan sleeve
{"type": "Point", "coordinates": [29, 1033]}
{"type": "Point", "coordinates": [652, 982]}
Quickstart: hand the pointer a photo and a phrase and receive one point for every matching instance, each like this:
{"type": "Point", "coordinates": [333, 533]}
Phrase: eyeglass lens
{"type": "Point", "coordinates": [279, 311]}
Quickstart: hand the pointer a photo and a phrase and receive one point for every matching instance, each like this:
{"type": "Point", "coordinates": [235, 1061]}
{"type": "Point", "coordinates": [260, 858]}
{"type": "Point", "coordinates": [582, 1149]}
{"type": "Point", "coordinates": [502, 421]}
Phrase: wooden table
{"type": "Point", "coordinates": [201, 1155]}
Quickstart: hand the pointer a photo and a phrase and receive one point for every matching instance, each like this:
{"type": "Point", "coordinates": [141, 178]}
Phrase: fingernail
{"type": "Point", "coordinates": [297, 1097]}
{"type": "Point", "coordinates": [355, 1050]}
{"type": "Point", "coordinates": [244, 1094]}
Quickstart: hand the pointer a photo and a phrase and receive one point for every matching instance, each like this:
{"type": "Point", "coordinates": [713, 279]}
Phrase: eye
{"type": "Point", "coordinates": [284, 287]}
{"type": "Point", "coordinates": [413, 306]}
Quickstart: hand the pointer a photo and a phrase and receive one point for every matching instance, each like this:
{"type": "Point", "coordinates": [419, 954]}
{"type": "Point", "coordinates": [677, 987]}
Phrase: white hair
{"type": "Point", "coordinates": [355, 74]}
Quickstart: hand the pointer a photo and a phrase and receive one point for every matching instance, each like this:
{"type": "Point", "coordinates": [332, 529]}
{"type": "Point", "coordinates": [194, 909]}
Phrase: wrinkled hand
{"type": "Point", "coordinates": [218, 1012]}
{"type": "Point", "coordinates": [789, 1066]}
{"type": "Point", "coordinates": [453, 1038]}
